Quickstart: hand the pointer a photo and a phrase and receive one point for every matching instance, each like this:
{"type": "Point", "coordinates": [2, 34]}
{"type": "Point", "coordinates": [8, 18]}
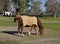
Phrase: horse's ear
{"type": "Point", "coordinates": [17, 16]}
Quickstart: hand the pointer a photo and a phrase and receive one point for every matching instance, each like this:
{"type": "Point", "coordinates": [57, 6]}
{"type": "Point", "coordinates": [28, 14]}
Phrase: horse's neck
{"type": "Point", "coordinates": [19, 19]}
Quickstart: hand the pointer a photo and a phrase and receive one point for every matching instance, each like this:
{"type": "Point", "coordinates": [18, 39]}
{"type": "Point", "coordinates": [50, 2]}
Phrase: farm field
{"type": "Point", "coordinates": [8, 32]}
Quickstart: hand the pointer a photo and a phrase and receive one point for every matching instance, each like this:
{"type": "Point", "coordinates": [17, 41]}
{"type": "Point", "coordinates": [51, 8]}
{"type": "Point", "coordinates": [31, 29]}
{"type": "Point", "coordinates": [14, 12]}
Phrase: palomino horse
{"type": "Point", "coordinates": [31, 21]}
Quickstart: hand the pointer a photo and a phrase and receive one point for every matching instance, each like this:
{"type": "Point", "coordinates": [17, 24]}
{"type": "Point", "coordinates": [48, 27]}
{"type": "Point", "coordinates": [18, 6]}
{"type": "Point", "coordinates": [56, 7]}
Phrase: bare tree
{"type": "Point", "coordinates": [0, 5]}
{"type": "Point", "coordinates": [6, 5]}
{"type": "Point", "coordinates": [52, 6]}
{"type": "Point", "coordinates": [36, 7]}
{"type": "Point", "coordinates": [33, 7]}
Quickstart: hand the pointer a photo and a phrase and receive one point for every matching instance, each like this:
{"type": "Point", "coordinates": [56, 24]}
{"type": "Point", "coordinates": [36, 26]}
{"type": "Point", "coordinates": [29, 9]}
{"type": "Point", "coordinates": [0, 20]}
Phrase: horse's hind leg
{"type": "Point", "coordinates": [35, 30]}
{"type": "Point", "coordinates": [30, 30]}
{"type": "Point", "coordinates": [41, 28]}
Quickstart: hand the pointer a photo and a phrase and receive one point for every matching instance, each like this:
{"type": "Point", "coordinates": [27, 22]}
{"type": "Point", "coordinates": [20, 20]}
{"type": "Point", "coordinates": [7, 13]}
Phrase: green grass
{"type": "Point", "coordinates": [52, 25]}
{"type": "Point", "coordinates": [8, 21]}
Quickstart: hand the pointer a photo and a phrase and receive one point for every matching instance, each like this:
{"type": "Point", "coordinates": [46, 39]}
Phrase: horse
{"type": "Point", "coordinates": [31, 21]}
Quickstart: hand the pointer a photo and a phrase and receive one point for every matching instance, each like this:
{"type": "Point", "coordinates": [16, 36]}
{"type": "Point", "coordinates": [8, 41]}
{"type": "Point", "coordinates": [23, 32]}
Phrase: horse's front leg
{"type": "Point", "coordinates": [19, 30]}
{"type": "Point", "coordinates": [22, 31]}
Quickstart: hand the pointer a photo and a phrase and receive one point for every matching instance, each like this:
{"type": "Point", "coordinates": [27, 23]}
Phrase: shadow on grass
{"type": "Point", "coordinates": [15, 33]}
{"type": "Point", "coordinates": [10, 32]}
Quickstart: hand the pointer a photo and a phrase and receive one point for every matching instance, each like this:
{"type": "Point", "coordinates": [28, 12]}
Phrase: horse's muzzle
{"type": "Point", "coordinates": [14, 20]}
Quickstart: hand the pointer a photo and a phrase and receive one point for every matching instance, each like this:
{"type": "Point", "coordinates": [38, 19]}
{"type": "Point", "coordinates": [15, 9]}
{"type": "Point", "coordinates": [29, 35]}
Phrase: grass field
{"type": "Point", "coordinates": [51, 23]}
{"type": "Point", "coordinates": [7, 21]}
{"type": "Point", "coordinates": [51, 36]}
{"type": "Point", "coordinates": [48, 22]}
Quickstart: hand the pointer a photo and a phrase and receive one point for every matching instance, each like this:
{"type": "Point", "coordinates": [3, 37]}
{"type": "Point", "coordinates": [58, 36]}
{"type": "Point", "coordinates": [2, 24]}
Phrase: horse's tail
{"type": "Point", "coordinates": [41, 28]}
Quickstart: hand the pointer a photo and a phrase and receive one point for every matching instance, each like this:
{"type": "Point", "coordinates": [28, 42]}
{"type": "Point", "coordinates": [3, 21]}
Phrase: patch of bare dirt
{"type": "Point", "coordinates": [9, 33]}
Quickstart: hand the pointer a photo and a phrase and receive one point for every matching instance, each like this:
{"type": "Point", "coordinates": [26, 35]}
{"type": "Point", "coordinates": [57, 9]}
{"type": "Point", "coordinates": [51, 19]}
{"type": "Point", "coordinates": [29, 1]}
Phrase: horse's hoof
{"type": "Point", "coordinates": [18, 34]}
{"type": "Point", "coordinates": [29, 34]}
{"type": "Point", "coordinates": [22, 35]}
{"type": "Point", "coordinates": [37, 34]}
{"type": "Point", "coordinates": [41, 34]}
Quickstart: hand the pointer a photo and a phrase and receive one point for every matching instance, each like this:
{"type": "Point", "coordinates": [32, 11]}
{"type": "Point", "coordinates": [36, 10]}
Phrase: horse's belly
{"type": "Point", "coordinates": [29, 24]}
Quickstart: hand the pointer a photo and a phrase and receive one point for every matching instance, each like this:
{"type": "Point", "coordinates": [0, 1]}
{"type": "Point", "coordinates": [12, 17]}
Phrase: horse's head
{"type": "Point", "coordinates": [16, 18]}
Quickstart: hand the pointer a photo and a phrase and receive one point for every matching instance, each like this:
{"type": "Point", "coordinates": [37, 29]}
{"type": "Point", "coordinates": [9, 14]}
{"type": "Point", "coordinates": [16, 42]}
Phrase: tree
{"type": "Point", "coordinates": [58, 10]}
{"type": "Point", "coordinates": [34, 7]}
{"type": "Point", "coordinates": [52, 6]}
{"type": "Point", "coordinates": [28, 7]}
{"type": "Point", "coordinates": [22, 6]}
{"type": "Point", "coordinates": [6, 5]}
{"type": "Point", "coordinates": [1, 6]}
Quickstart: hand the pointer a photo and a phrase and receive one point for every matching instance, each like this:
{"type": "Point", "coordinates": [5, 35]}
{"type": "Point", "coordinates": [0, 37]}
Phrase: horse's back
{"type": "Point", "coordinates": [29, 20]}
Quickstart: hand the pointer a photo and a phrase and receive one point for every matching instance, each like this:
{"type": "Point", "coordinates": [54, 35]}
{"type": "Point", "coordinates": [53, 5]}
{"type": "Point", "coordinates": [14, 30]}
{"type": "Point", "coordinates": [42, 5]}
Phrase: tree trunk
{"type": "Point", "coordinates": [55, 15]}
